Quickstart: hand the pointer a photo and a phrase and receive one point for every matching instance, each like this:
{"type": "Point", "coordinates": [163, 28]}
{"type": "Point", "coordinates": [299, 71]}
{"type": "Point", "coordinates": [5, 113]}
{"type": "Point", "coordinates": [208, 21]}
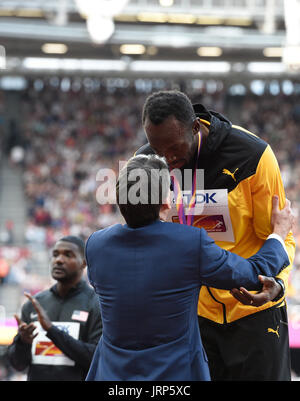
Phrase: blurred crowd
{"type": "Point", "coordinates": [68, 135]}
{"type": "Point", "coordinates": [68, 138]}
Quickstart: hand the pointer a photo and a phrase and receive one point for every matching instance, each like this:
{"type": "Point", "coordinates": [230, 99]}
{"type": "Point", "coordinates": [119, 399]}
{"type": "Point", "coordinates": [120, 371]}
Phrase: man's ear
{"type": "Point", "coordinates": [196, 126]}
{"type": "Point", "coordinates": [84, 264]}
{"type": "Point", "coordinates": [164, 208]}
{"type": "Point", "coordinates": [167, 202]}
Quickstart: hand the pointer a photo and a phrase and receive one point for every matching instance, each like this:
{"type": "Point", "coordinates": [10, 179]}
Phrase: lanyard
{"type": "Point", "coordinates": [183, 219]}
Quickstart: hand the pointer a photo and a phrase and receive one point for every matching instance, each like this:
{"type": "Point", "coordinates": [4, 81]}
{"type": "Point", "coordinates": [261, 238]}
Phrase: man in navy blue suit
{"type": "Point", "coordinates": [148, 274]}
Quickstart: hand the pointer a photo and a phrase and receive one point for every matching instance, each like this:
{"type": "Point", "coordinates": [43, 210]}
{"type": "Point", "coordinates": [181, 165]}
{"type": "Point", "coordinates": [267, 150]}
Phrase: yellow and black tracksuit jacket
{"type": "Point", "coordinates": [239, 161]}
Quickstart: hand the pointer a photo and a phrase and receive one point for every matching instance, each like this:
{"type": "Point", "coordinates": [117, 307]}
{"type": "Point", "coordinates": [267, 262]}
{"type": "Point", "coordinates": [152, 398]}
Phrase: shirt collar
{"type": "Point", "coordinates": [72, 291]}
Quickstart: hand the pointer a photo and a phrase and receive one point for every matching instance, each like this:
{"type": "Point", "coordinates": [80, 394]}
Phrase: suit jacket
{"type": "Point", "coordinates": [148, 281]}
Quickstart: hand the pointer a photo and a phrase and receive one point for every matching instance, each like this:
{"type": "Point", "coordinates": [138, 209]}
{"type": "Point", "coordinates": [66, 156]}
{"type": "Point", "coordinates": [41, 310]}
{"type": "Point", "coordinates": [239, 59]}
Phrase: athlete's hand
{"type": "Point", "coordinates": [282, 220]}
{"type": "Point", "coordinates": [42, 315]}
{"type": "Point", "coordinates": [269, 291]}
{"type": "Point", "coordinates": [25, 330]}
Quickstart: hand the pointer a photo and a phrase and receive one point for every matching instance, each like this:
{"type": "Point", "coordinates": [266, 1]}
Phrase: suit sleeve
{"type": "Point", "coordinates": [226, 270]}
{"type": "Point", "coordinates": [89, 271]}
{"type": "Point", "coordinates": [265, 183]}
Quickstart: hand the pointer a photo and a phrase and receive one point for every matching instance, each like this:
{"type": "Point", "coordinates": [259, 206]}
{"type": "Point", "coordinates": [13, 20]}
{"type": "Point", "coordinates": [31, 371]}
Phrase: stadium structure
{"type": "Point", "coordinates": [73, 78]}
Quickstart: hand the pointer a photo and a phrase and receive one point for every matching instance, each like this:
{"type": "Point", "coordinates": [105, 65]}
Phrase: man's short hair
{"type": "Point", "coordinates": [142, 187]}
{"type": "Point", "coordinates": [163, 104]}
{"type": "Point", "coordinates": [75, 240]}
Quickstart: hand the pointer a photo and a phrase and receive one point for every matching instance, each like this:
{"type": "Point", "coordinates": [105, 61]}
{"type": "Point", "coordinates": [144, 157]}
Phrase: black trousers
{"type": "Point", "coordinates": [254, 348]}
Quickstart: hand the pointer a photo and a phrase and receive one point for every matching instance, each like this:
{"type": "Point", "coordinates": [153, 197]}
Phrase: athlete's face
{"type": "Point", "coordinates": [173, 140]}
{"type": "Point", "coordinates": [67, 263]}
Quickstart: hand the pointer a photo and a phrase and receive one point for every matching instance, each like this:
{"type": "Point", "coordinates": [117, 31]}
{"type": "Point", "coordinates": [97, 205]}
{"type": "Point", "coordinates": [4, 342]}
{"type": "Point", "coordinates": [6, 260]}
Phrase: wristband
{"type": "Point", "coordinates": [282, 291]}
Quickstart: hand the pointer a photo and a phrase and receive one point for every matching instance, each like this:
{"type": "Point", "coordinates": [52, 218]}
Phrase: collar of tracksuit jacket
{"type": "Point", "coordinates": [219, 128]}
{"type": "Point", "coordinates": [226, 147]}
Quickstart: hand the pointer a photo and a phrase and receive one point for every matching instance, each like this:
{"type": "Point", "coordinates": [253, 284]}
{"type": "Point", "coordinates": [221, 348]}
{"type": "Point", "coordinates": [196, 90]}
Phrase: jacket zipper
{"type": "Point", "coordinates": [219, 302]}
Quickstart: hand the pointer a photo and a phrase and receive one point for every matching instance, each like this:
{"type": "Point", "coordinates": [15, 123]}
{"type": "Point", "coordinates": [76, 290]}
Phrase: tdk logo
{"type": "Point", "coordinates": [206, 198]}
{"type": "Point", "coordinates": [201, 197]}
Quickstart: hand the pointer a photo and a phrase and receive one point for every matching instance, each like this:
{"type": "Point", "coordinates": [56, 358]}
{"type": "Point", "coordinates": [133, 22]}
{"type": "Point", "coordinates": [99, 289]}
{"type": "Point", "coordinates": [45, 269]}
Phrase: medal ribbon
{"type": "Point", "coordinates": [189, 219]}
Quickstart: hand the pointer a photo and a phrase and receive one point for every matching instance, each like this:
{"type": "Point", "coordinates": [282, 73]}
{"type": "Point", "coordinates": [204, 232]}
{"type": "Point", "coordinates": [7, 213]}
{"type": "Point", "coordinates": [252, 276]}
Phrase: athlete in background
{"type": "Point", "coordinates": [68, 317]}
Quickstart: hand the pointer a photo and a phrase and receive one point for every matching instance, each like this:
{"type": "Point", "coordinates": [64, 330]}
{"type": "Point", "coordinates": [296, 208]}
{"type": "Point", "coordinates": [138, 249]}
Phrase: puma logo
{"type": "Point", "coordinates": [225, 171]}
{"type": "Point", "coordinates": [274, 331]}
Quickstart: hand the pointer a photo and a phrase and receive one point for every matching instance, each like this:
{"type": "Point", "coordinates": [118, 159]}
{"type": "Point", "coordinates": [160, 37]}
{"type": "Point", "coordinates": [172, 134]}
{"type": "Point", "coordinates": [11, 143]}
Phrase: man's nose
{"type": "Point", "coordinates": [59, 259]}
